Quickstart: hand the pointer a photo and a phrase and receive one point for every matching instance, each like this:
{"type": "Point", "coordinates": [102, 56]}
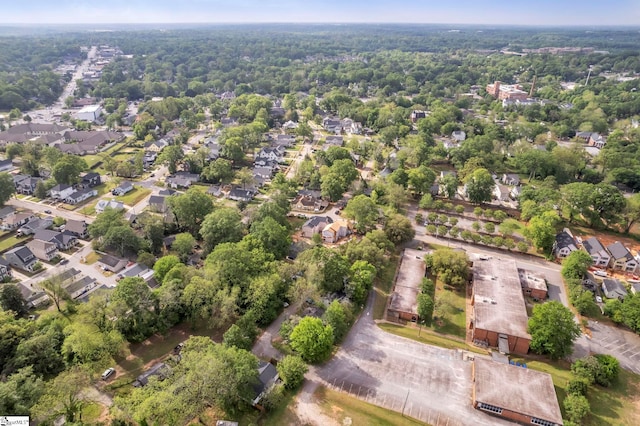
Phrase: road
{"type": "Point", "coordinates": [40, 207]}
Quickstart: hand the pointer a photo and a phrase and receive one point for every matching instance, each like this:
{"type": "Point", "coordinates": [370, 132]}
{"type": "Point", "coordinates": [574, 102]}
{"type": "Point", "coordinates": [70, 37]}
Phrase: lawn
{"type": "Point", "coordinates": [425, 335]}
{"type": "Point", "coordinates": [616, 405]}
{"type": "Point", "coordinates": [349, 410]}
{"type": "Point", "coordinates": [450, 309]}
{"type": "Point", "coordinates": [383, 285]}
{"type": "Point", "coordinates": [91, 258]}
{"type": "Point", "coordinates": [8, 243]}
{"type": "Point", "coordinates": [88, 209]}
{"type": "Point", "coordinates": [132, 198]}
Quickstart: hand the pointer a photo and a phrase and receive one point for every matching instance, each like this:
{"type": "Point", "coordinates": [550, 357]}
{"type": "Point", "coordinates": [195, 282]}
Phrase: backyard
{"type": "Point", "coordinates": [133, 197]}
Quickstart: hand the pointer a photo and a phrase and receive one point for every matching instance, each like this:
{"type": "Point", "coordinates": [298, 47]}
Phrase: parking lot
{"type": "Point", "coordinates": [424, 382]}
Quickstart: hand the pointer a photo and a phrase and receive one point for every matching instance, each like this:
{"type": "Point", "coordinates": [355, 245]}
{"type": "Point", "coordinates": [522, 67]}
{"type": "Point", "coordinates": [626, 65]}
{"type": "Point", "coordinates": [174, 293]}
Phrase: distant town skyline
{"type": "Point", "coordinates": [487, 12]}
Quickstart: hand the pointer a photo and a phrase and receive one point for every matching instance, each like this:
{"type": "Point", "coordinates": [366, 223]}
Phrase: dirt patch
{"type": "Point", "coordinates": [607, 238]}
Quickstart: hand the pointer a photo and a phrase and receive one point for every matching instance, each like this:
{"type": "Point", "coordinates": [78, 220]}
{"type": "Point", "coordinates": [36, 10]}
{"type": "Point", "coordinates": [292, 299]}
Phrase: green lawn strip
{"type": "Point", "coordinates": [383, 285]}
{"type": "Point", "coordinates": [11, 241]}
{"type": "Point", "coordinates": [452, 316]}
{"type": "Point", "coordinates": [424, 335]}
{"type": "Point", "coordinates": [132, 198]}
{"type": "Point", "coordinates": [615, 405]}
{"type": "Point", "coordinates": [349, 410]}
{"type": "Point", "coordinates": [91, 258]}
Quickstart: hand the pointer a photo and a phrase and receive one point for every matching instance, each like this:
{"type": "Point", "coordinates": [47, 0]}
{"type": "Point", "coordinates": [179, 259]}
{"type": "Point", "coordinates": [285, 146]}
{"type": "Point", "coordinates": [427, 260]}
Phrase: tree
{"type": "Point", "coordinates": [363, 211]}
{"type": "Point", "coordinates": [291, 370]}
{"type": "Point", "coordinates": [222, 225]}
{"type": "Point", "coordinates": [336, 317]}
{"type": "Point", "coordinates": [235, 336]}
{"type": "Point", "coordinates": [20, 392]}
{"type": "Point", "coordinates": [7, 188]}
{"type": "Point", "coordinates": [63, 396]}
{"type": "Point", "coordinates": [218, 171]}
{"type": "Point", "coordinates": [421, 179]}
{"type": "Point", "coordinates": [123, 239]}
{"type": "Point", "coordinates": [361, 276]}
{"type": "Point", "coordinates": [53, 287]}
{"type": "Point", "coordinates": [451, 266]}
{"type": "Point", "coordinates": [164, 265]}
{"type": "Point", "coordinates": [553, 330]}
{"type": "Point", "coordinates": [398, 229]}
{"type": "Point", "coordinates": [272, 236]}
{"type": "Point", "coordinates": [85, 343]}
{"type": "Point", "coordinates": [183, 245]}
{"type": "Point", "coordinates": [599, 369]}
{"type": "Point", "coordinates": [68, 168]}
{"type": "Point", "coordinates": [190, 209]}
{"type": "Point", "coordinates": [449, 183]}
{"type": "Point", "coordinates": [312, 339]}
{"type": "Point", "coordinates": [147, 259]}
{"type": "Point", "coordinates": [135, 309]}
{"type": "Point", "coordinates": [425, 308]}
{"type": "Point", "coordinates": [541, 230]}
{"type": "Point", "coordinates": [480, 186]}
{"type": "Point", "coordinates": [631, 212]}
{"type": "Point", "coordinates": [41, 190]}
{"type": "Point", "coordinates": [171, 157]}
{"type": "Point", "coordinates": [576, 264]}
{"type": "Point", "coordinates": [11, 300]}
{"type": "Point", "coordinates": [577, 407]}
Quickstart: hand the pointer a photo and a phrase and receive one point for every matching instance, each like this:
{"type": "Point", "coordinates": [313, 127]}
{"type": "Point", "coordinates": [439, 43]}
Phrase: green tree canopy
{"type": "Point", "coordinates": [312, 339]}
{"type": "Point", "coordinates": [553, 330]}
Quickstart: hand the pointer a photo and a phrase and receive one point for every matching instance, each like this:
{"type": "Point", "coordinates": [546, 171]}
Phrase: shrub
{"type": "Point", "coordinates": [459, 209]}
{"type": "Point", "coordinates": [577, 407]}
{"type": "Point", "coordinates": [489, 227]}
{"type": "Point", "coordinates": [292, 370]}
{"type": "Point", "coordinates": [478, 211]}
{"type": "Point", "coordinates": [577, 387]}
{"type": "Point", "coordinates": [419, 218]}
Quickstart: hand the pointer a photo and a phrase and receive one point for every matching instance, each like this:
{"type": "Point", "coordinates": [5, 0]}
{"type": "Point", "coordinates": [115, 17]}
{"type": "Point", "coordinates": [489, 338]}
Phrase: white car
{"type": "Point", "coordinates": [600, 273]}
{"type": "Point", "coordinates": [108, 373]}
{"type": "Point", "coordinates": [598, 299]}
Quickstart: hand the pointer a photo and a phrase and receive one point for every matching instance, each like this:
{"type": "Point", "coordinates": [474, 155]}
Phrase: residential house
{"type": "Point", "coordinates": [35, 225]}
{"type": "Point", "coordinates": [635, 287]}
{"type": "Point", "coordinates": [88, 142]}
{"type": "Point", "coordinates": [215, 190]}
{"type": "Point", "coordinates": [309, 203]}
{"type": "Point", "coordinates": [269, 155]}
{"type": "Point", "coordinates": [21, 257]}
{"type": "Point", "coordinates": [138, 270]}
{"type": "Point", "coordinates": [613, 289]}
{"type": "Point", "coordinates": [79, 196]}
{"type": "Point", "coordinates": [102, 205]}
{"type": "Point", "coordinates": [334, 141]}
{"type": "Point", "coordinates": [167, 192]}
{"type": "Point", "coordinates": [182, 180]}
{"type": "Point", "coordinates": [123, 188]}
{"type": "Point", "coordinates": [332, 124]}
{"type": "Point", "coordinates": [22, 133]}
{"type": "Point", "coordinates": [43, 250]}
{"type": "Point", "coordinates": [5, 269]}
{"type": "Point", "coordinates": [585, 136]}
{"type": "Point", "coordinates": [417, 115]}
{"type": "Point", "coordinates": [511, 179]}
{"type": "Point", "coordinates": [112, 263]}
{"type": "Point", "coordinates": [61, 191]}
{"type": "Point", "coordinates": [156, 146]}
{"type": "Point", "coordinates": [63, 240]}
{"type": "Point", "coordinates": [351, 127]}
{"type": "Point", "coordinates": [263, 172]}
{"type": "Point", "coordinates": [68, 276]}
{"type": "Point", "coordinates": [6, 211]}
{"type": "Point", "coordinates": [239, 194]}
{"type": "Point", "coordinates": [315, 225]}
{"type": "Point", "coordinates": [78, 228]}
{"type": "Point", "coordinates": [214, 149]}
{"type": "Point", "coordinates": [26, 186]}
{"type": "Point", "coordinates": [290, 125]}
{"type": "Point", "coordinates": [564, 243]}
{"type": "Point", "coordinates": [501, 192]}
{"type": "Point", "coordinates": [597, 140]}
{"type": "Point", "coordinates": [167, 241]}
{"type": "Point", "coordinates": [621, 258]}
{"type": "Point", "coordinates": [597, 252]}
{"type": "Point", "coordinates": [6, 165]}
{"type": "Point", "coordinates": [459, 135]}
{"type": "Point", "coordinates": [15, 221]}
{"type": "Point", "coordinates": [149, 158]}
{"type": "Point", "coordinates": [334, 232]}
{"type": "Point", "coordinates": [267, 378]}
{"type": "Point", "coordinates": [81, 287]}
{"type": "Point", "coordinates": [90, 180]}
{"type": "Point", "coordinates": [515, 192]}
{"type": "Point", "coordinates": [157, 204]}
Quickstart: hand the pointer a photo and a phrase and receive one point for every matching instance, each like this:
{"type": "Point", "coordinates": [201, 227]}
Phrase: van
{"type": "Point", "coordinates": [108, 373]}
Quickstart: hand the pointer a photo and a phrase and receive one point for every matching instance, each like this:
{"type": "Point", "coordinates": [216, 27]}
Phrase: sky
{"type": "Point", "coordinates": [489, 12]}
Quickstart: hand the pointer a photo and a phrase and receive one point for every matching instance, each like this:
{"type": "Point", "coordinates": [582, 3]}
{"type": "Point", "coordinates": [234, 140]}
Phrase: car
{"type": "Point", "coordinates": [598, 299]}
{"type": "Point", "coordinates": [178, 348]}
{"type": "Point", "coordinates": [600, 273]}
{"type": "Point", "coordinates": [337, 212]}
{"type": "Point", "coordinates": [152, 175]}
{"type": "Point", "coordinates": [484, 257]}
{"type": "Point", "coordinates": [108, 373]}
{"type": "Point", "coordinates": [64, 261]}
{"type": "Point", "coordinates": [47, 211]}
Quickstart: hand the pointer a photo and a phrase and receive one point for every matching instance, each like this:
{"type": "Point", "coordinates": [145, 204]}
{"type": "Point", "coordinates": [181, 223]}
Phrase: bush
{"type": "Point", "coordinates": [598, 369]}
{"type": "Point", "coordinates": [489, 227]}
{"type": "Point", "coordinates": [488, 213]}
{"type": "Point", "coordinates": [448, 206]}
{"type": "Point", "coordinates": [499, 215]}
{"type": "Point", "coordinates": [478, 211]}
{"type": "Point", "coordinates": [459, 209]}
{"type": "Point", "coordinates": [476, 226]}
{"type": "Point", "coordinates": [273, 398]}
{"type": "Point", "coordinates": [577, 387]}
{"type": "Point", "coordinates": [577, 407]}
{"type": "Point", "coordinates": [292, 370]}
{"type": "Point", "coordinates": [453, 221]}
{"type": "Point", "coordinates": [419, 218]}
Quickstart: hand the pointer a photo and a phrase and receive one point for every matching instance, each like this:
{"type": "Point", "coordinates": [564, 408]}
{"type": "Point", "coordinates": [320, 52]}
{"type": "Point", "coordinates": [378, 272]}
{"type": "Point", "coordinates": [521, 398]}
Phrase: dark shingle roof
{"type": "Point", "coordinates": [618, 251]}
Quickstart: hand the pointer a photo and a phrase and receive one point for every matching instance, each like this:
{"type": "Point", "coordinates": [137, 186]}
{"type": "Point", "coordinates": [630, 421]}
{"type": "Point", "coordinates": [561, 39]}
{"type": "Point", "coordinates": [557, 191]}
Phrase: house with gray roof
{"type": "Point", "coordinates": [112, 263]}
{"type": "Point", "coordinates": [315, 225]}
{"type": "Point", "coordinates": [77, 228]}
{"type": "Point", "coordinates": [61, 191]}
{"type": "Point", "coordinates": [600, 256]}
{"type": "Point", "coordinates": [564, 243]}
{"type": "Point", "coordinates": [613, 289]}
{"type": "Point", "coordinates": [267, 378]}
{"type": "Point", "coordinates": [79, 196]}
{"type": "Point", "coordinates": [21, 257]}
{"type": "Point", "coordinates": [621, 258]}
{"type": "Point", "coordinates": [35, 225]}
{"type": "Point", "coordinates": [63, 240]}
{"type": "Point", "coordinates": [158, 203]}
{"type": "Point", "coordinates": [81, 287]}
{"type": "Point", "coordinates": [5, 269]}
{"type": "Point", "coordinates": [123, 188]}
{"type": "Point", "coordinates": [102, 205]}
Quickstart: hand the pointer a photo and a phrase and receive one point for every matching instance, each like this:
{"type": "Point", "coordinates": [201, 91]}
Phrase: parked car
{"type": "Point", "coordinates": [598, 299]}
{"type": "Point", "coordinates": [47, 211]}
{"type": "Point", "coordinates": [178, 348]}
{"type": "Point", "coordinates": [108, 373]}
{"type": "Point", "coordinates": [600, 273]}
{"type": "Point", "coordinates": [64, 261]}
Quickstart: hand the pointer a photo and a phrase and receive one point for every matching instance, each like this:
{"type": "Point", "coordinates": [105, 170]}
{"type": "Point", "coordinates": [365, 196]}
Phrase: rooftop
{"type": "Point", "coordinates": [517, 389]}
{"type": "Point", "coordinates": [498, 300]}
{"type": "Point", "coordinates": [412, 270]}
{"type": "Point", "coordinates": [532, 280]}
{"type": "Point", "coordinates": [592, 246]}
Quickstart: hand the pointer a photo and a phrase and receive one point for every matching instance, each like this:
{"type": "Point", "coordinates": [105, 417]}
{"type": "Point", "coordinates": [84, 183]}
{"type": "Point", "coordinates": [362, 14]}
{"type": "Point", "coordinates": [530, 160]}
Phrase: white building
{"type": "Point", "coordinates": [89, 113]}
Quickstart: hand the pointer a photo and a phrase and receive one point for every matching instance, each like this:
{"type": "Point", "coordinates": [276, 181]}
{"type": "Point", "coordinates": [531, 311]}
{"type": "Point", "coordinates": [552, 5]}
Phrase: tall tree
{"type": "Point", "coordinates": [553, 330]}
{"type": "Point", "coordinates": [190, 209]}
{"type": "Point", "coordinates": [312, 339]}
{"type": "Point", "coordinates": [11, 300]}
{"type": "Point", "coordinates": [364, 211]}
{"type": "Point", "coordinates": [222, 225]}
{"type": "Point", "coordinates": [68, 168]}
{"type": "Point", "coordinates": [7, 188]}
{"type": "Point", "coordinates": [480, 186]}
{"type": "Point", "coordinates": [170, 157]}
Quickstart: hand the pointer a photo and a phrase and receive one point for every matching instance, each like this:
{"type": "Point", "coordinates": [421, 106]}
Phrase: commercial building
{"type": "Point", "coordinates": [89, 113]}
{"type": "Point", "coordinates": [403, 303]}
{"type": "Point", "coordinates": [515, 393]}
{"type": "Point", "coordinates": [506, 91]}
{"type": "Point", "coordinates": [499, 316]}
{"type": "Point", "coordinates": [533, 285]}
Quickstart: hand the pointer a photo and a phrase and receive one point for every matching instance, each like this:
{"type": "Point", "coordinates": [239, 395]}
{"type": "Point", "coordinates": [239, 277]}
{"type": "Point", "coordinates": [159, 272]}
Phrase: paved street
{"type": "Point", "coordinates": [39, 207]}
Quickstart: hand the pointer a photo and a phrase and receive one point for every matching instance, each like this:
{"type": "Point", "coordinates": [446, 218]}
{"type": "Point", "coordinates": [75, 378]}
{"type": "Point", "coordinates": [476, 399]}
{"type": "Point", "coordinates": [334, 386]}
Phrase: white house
{"type": "Point", "coordinates": [597, 252]}
{"type": "Point", "coordinates": [621, 258]}
{"type": "Point", "coordinates": [564, 244]}
{"type": "Point", "coordinates": [333, 232]}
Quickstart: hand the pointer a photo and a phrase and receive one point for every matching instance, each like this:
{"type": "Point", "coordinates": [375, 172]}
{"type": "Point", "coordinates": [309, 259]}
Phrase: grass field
{"type": "Point", "coordinates": [89, 209]}
{"type": "Point", "coordinates": [9, 242]}
{"type": "Point", "coordinates": [91, 258]}
{"type": "Point", "coordinates": [383, 285]}
{"type": "Point", "coordinates": [616, 405]}
{"type": "Point", "coordinates": [132, 198]}
{"type": "Point", "coordinates": [425, 335]}
{"type": "Point", "coordinates": [450, 309]}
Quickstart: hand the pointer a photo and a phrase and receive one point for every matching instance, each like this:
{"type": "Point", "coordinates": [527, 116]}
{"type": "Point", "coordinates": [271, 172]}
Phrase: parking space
{"type": "Point", "coordinates": [424, 382]}
{"type": "Point", "coordinates": [623, 344]}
